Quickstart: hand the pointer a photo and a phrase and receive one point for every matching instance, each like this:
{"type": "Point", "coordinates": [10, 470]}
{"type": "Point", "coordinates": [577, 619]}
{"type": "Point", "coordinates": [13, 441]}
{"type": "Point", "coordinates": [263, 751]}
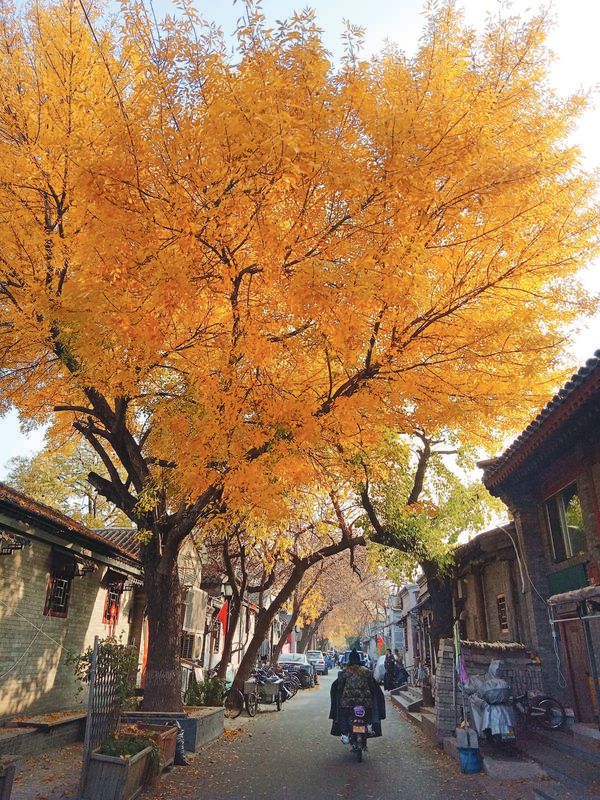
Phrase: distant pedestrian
{"type": "Point", "coordinates": [389, 679]}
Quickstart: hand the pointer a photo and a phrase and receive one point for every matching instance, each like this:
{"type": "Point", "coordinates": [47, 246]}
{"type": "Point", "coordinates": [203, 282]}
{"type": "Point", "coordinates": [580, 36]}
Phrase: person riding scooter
{"type": "Point", "coordinates": [355, 686]}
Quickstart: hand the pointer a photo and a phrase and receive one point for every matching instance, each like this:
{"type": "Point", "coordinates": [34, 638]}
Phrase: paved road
{"type": "Point", "coordinates": [291, 756]}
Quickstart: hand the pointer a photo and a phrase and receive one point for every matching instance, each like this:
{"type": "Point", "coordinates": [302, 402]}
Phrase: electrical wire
{"type": "Point", "coordinates": [32, 642]}
{"type": "Point", "coordinates": [561, 679]}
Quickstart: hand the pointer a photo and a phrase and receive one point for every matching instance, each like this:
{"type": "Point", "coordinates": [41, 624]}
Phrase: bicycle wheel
{"type": "Point", "coordinates": [289, 689]}
{"type": "Point", "coordinates": [251, 704]}
{"type": "Point", "coordinates": [547, 712]}
{"type": "Point", "coordinates": [233, 700]}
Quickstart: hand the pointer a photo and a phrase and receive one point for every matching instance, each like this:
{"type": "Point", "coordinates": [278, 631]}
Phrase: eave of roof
{"type": "Point", "coordinates": [583, 385]}
{"type": "Point", "coordinates": [486, 542]}
{"type": "Point", "coordinates": [58, 522]}
{"type": "Point", "coordinates": [123, 538]}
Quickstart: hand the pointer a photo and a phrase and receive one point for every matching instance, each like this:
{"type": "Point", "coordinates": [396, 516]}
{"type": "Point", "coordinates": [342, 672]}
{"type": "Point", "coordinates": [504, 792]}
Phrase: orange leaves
{"type": "Point", "coordinates": [274, 259]}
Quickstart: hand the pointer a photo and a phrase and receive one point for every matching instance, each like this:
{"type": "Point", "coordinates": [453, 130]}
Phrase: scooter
{"type": "Point", "coordinates": [491, 708]}
{"type": "Point", "coordinates": [359, 732]}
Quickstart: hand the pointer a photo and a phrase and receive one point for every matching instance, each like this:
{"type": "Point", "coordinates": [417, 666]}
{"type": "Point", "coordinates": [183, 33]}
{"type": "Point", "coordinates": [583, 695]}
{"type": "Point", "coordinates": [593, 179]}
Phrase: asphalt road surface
{"type": "Point", "coordinates": [291, 755]}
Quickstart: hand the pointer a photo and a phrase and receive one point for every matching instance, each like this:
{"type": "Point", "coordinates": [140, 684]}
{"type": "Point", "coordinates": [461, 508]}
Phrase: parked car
{"type": "Point", "coordinates": [299, 664]}
{"type": "Point", "coordinates": [346, 655]}
{"type": "Point", "coordinates": [317, 659]}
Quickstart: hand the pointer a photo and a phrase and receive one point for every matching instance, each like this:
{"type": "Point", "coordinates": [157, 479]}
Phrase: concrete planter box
{"type": "Point", "coordinates": [113, 778]}
{"type": "Point", "coordinates": [200, 724]}
{"type": "Point", "coordinates": [39, 734]}
{"type": "Point", "coordinates": [8, 765]}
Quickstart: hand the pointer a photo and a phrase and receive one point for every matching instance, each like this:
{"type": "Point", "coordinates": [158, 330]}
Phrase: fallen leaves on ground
{"type": "Point", "coordinates": [231, 733]}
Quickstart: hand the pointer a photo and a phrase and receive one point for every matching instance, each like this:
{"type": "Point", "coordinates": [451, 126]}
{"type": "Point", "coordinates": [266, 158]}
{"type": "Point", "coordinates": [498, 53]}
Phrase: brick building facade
{"type": "Point", "coordinates": [489, 588]}
{"type": "Point", "coordinates": [61, 584]}
{"type": "Point", "coordinates": [550, 480]}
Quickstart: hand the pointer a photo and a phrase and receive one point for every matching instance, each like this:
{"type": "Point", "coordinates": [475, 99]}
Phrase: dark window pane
{"type": "Point", "coordinates": [554, 523]}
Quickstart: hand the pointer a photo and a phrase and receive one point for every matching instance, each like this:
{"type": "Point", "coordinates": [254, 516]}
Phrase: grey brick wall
{"type": "Point", "coordinates": [34, 674]}
{"type": "Point", "coordinates": [518, 668]}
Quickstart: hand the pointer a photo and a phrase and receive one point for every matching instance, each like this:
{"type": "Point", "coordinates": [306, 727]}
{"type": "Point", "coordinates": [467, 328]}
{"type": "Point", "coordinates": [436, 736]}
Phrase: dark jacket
{"type": "Point", "coordinates": [378, 710]}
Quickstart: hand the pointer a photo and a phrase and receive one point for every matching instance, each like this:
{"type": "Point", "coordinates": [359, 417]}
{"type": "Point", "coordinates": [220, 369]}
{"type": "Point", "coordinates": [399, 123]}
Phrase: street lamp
{"type": "Point", "coordinates": [227, 590]}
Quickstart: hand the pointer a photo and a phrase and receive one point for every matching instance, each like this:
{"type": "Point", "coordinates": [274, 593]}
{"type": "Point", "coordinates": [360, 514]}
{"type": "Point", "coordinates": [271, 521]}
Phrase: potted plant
{"type": "Point", "coordinates": [165, 737]}
{"type": "Point", "coordinates": [121, 767]}
{"type": "Point", "coordinates": [7, 775]}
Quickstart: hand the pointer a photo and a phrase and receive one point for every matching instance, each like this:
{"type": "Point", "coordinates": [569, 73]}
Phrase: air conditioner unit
{"type": "Point", "coordinates": [195, 610]}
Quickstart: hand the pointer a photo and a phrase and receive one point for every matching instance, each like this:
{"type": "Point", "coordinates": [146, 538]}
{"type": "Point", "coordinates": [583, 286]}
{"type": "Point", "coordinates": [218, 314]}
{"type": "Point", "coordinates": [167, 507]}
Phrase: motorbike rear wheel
{"type": "Point", "coordinates": [359, 753]}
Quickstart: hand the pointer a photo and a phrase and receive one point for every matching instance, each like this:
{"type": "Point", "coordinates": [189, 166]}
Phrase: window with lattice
{"type": "Point", "coordinates": [57, 597]}
{"type": "Point", "coordinates": [112, 604]}
{"type": "Point", "coordinates": [502, 613]}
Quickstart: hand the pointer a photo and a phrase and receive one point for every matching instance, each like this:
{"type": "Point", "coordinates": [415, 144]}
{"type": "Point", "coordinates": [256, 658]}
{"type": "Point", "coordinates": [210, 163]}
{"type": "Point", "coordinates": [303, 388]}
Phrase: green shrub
{"type": "Point", "coordinates": [207, 693]}
{"type": "Point", "coordinates": [120, 746]}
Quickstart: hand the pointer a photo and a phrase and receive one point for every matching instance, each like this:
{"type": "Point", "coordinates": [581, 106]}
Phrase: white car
{"type": "Point", "coordinates": [317, 659]}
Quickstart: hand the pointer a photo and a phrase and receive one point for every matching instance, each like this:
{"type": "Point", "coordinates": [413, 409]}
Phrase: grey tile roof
{"type": "Point", "coordinates": [125, 539]}
{"type": "Point", "coordinates": [584, 383]}
{"type": "Point", "coordinates": [57, 521]}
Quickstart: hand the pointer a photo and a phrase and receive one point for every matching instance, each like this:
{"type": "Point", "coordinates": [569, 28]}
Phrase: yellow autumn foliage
{"type": "Point", "coordinates": [221, 269]}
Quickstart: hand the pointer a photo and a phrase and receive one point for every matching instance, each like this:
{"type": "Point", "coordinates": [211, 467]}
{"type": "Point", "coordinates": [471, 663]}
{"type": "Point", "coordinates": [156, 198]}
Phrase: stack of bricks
{"type": "Point", "coordinates": [518, 668]}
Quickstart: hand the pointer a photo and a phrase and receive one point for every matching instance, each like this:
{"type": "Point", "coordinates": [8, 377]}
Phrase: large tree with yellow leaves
{"type": "Point", "coordinates": [220, 269]}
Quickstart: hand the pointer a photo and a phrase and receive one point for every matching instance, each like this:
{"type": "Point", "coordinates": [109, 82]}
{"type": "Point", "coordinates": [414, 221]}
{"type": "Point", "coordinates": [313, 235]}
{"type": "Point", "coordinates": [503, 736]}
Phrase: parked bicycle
{"type": "Point", "coordinates": [232, 699]}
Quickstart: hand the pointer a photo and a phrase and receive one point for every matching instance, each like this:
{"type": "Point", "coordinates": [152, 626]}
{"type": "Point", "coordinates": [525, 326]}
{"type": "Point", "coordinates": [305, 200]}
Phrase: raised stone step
{"type": "Point", "coordinates": [16, 740]}
{"type": "Point", "coordinates": [428, 725]}
{"type": "Point", "coordinates": [581, 742]}
{"type": "Point", "coordinates": [410, 699]}
{"type": "Point", "coordinates": [503, 768]}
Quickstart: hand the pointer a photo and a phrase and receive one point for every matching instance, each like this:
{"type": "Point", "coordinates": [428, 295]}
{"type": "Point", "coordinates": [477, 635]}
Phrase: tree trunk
{"type": "Point", "coordinates": [162, 678]}
{"type": "Point", "coordinates": [440, 588]}
{"type": "Point", "coordinates": [305, 637]}
{"type": "Point", "coordinates": [233, 618]}
{"type": "Point", "coordinates": [284, 635]}
{"type": "Point", "coordinates": [263, 621]}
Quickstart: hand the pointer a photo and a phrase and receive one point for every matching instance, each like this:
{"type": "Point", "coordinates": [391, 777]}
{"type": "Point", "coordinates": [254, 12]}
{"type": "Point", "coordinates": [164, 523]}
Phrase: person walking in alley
{"type": "Point", "coordinates": [390, 677]}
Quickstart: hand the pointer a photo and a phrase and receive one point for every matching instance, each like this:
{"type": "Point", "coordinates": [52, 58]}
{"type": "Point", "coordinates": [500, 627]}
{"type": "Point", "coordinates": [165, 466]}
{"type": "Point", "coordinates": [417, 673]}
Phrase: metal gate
{"type": "Point", "coordinates": [103, 704]}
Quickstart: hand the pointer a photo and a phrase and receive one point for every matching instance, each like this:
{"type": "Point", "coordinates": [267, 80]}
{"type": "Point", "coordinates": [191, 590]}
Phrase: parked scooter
{"type": "Point", "coordinates": [491, 707]}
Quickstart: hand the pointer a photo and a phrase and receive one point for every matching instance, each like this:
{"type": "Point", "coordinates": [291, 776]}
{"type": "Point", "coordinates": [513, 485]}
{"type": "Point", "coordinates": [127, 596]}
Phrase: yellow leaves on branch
{"type": "Point", "coordinates": [271, 256]}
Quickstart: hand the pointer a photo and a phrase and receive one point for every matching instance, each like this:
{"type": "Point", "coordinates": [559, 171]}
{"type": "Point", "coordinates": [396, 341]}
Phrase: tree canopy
{"type": "Point", "coordinates": [220, 270]}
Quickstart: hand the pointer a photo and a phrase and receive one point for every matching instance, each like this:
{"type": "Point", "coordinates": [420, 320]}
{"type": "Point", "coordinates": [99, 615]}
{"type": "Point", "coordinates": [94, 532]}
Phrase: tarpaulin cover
{"type": "Point", "coordinates": [576, 596]}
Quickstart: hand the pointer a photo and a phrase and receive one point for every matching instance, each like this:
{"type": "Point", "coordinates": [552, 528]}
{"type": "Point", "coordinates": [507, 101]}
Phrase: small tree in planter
{"type": "Point", "coordinates": [113, 657]}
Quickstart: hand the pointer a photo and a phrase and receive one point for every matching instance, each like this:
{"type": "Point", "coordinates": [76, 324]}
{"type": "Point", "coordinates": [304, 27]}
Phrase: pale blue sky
{"type": "Point", "coordinates": [574, 40]}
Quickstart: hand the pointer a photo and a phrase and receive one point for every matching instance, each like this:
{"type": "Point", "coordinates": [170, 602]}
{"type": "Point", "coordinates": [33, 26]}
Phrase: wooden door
{"type": "Point", "coordinates": [578, 670]}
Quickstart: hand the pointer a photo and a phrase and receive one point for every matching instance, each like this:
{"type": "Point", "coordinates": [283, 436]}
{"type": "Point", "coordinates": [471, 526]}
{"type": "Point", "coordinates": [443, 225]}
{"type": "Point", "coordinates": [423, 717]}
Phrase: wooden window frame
{"type": "Point", "coordinates": [216, 645]}
{"type": "Point", "coordinates": [60, 613]}
{"type": "Point", "coordinates": [116, 589]}
{"type": "Point", "coordinates": [501, 599]}
{"type": "Point", "coordinates": [554, 509]}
